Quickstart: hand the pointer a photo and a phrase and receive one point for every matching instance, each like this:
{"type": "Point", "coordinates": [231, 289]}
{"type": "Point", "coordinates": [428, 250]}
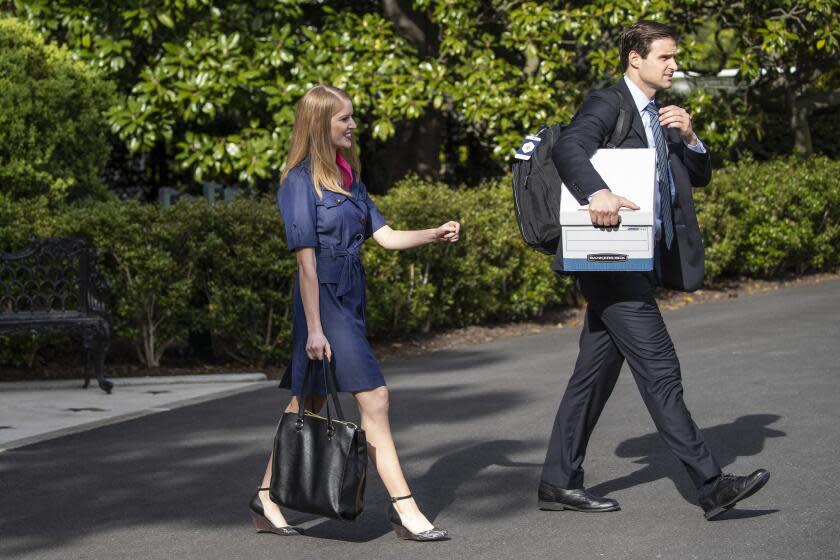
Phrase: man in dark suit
{"type": "Point", "coordinates": [622, 320]}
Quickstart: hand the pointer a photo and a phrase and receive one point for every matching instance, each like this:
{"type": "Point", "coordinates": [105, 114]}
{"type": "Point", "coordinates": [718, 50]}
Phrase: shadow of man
{"type": "Point", "coordinates": [449, 473]}
{"type": "Point", "coordinates": [742, 438]}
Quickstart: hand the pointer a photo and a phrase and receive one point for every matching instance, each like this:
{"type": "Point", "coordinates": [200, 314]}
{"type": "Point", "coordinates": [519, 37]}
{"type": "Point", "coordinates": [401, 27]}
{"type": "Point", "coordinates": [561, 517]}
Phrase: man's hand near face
{"type": "Point", "coordinates": [677, 117]}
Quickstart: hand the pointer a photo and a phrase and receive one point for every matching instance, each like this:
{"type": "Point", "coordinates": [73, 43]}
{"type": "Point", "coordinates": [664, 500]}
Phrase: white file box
{"type": "Point", "coordinates": [629, 173]}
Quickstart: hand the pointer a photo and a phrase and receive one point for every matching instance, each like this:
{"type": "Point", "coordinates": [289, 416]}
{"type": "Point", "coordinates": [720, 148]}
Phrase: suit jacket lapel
{"type": "Point", "coordinates": [636, 122]}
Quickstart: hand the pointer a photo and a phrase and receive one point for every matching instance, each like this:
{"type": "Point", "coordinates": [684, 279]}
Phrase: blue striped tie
{"type": "Point", "coordinates": [662, 174]}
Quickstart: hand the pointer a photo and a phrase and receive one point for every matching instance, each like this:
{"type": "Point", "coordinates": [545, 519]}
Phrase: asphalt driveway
{"type": "Point", "coordinates": [762, 378]}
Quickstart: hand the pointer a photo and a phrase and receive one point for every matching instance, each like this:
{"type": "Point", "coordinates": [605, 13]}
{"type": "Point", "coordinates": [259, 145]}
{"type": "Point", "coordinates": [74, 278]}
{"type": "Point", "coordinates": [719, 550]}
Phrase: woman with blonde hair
{"type": "Point", "coordinates": [328, 215]}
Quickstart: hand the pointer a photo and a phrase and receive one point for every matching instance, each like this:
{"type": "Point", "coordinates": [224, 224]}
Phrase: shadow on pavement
{"type": "Point", "coordinates": [742, 438]}
{"type": "Point", "coordinates": [447, 360]}
{"type": "Point", "coordinates": [743, 514]}
{"type": "Point", "coordinates": [199, 465]}
{"type": "Point", "coordinates": [437, 489]}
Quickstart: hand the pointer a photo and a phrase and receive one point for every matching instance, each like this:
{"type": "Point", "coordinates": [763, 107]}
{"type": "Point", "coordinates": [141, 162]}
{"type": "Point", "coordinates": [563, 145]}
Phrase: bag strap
{"type": "Point", "coordinates": [622, 123]}
{"type": "Point", "coordinates": [302, 407]}
{"type": "Point", "coordinates": [329, 378]}
{"type": "Point", "coordinates": [329, 384]}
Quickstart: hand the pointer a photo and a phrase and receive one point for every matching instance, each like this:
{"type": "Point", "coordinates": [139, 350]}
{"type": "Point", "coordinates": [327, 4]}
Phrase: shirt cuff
{"type": "Point", "coordinates": [589, 198]}
{"type": "Point", "coordinates": [698, 147]}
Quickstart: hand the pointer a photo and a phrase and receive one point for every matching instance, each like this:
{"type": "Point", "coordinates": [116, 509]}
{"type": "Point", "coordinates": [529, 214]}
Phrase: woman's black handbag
{"type": "Point", "coordinates": [320, 464]}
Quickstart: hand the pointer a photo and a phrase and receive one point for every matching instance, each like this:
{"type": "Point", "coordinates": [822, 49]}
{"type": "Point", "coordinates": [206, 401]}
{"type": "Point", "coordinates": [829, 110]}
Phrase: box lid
{"type": "Point", "coordinates": [630, 173]}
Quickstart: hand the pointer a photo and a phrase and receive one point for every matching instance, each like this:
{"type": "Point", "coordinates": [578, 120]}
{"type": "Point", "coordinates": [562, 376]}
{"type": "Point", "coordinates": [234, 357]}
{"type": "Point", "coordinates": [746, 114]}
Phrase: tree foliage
{"type": "Point", "coordinates": [223, 272]}
{"type": "Point", "coordinates": [52, 126]}
{"type": "Point", "coordinates": [789, 49]}
{"type": "Point", "coordinates": [214, 84]}
{"type": "Point", "coordinates": [208, 88]}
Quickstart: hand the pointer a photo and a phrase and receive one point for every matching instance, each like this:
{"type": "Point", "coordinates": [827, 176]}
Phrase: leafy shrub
{"type": "Point", "coordinates": [225, 270]}
{"type": "Point", "coordinates": [489, 275]}
{"type": "Point", "coordinates": [772, 218]}
{"type": "Point", "coordinates": [145, 253]}
{"type": "Point", "coordinates": [19, 219]}
{"type": "Point", "coordinates": [52, 123]}
{"type": "Point", "coordinates": [246, 281]}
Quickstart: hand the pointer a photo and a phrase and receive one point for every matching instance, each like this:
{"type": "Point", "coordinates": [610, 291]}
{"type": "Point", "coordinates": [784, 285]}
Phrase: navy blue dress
{"type": "Point", "coordinates": [335, 226]}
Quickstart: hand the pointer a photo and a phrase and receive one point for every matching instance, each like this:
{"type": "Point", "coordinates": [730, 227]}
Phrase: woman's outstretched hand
{"type": "Point", "coordinates": [450, 231]}
{"type": "Point", "coordinates": [318, 347]}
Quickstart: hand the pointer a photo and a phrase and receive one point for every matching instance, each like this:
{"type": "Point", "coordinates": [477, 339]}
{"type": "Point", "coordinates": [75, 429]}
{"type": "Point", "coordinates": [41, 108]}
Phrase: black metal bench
{"type": "Point", "coordinates": [54, 286]}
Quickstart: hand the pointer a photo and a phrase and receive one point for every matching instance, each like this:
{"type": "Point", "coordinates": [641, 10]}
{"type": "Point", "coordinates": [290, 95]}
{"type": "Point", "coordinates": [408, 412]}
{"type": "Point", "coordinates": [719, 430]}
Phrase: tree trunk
{"type": "Point", "coordinates": [148, 354]}
{"type": "Point", "coordinates": [799, 125]}
{"type": "Point", "coordinates": [416, 146]}
{"type": "Point", "coordinates": [822, 101]}
{"type": "Point", "coordinates": [414, 26]}
{"type": "Point", "coordinates": [149, 351]}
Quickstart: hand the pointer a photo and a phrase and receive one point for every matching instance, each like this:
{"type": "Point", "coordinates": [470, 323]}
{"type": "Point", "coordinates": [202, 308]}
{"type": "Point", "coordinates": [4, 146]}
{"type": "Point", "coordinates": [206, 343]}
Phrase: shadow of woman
{"type": "Point", "coordinates": [437, 488]}
{"type": "Point", "coordinates": [742, 438]}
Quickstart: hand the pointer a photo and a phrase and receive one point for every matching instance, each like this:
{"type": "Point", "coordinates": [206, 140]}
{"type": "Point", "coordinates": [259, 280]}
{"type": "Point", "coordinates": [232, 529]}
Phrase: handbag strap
{"type": "Point", "coordinates": [329, 384]}
{"type": "Point", "coordinates": [329, 376]}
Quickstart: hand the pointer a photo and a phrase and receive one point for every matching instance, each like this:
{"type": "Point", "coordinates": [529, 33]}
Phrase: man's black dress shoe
{"type": "Point", "coordinates": [730, 489]}
{"type": "Point", "coordinates": [576, 499]}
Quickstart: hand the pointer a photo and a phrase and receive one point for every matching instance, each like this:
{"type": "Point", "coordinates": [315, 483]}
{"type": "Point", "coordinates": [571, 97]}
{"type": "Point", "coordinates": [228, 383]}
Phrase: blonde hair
{"type": "Point", "coordinates": [311, 136]}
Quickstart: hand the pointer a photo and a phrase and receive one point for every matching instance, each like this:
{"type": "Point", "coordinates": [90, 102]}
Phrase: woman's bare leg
{"type": "Point", "coordinates": [373, 407]}
{"type": "Point", "coordinates": [271, 509]}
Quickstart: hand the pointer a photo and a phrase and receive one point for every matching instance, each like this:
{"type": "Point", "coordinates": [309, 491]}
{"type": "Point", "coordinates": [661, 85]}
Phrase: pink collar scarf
{"type": "Point", "coordinates": [346, 171]}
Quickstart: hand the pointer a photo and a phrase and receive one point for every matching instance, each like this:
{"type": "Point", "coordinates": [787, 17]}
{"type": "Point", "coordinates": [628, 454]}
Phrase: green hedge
{"type": "Point", "coordinates": [190, 268]}
{"type": "Point", "coordinates": [773, 218]}
{"type": "Point", "coordinates": [52, 123]}
{"type": "Point", "coordinates": [225, 270]}
{"type": "Point", "coordinates": [489, 275]}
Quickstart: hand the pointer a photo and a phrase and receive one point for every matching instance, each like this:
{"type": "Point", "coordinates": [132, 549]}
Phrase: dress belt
{"type": "Point", "coordinates": [351, 269]}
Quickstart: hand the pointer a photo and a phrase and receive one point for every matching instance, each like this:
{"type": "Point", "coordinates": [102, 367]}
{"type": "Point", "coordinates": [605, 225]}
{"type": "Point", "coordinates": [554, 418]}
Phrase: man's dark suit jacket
{"type": "Point", "coordinates": [682, 265]}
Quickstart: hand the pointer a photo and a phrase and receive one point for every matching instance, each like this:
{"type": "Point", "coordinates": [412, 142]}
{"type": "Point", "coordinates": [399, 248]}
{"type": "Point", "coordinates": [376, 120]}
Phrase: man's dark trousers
{"type": "Point", "coordinates": [622, 322]}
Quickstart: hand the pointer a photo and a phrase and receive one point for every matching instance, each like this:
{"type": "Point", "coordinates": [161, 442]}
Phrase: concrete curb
{"type": "Point", "coordinates": [134, 381]}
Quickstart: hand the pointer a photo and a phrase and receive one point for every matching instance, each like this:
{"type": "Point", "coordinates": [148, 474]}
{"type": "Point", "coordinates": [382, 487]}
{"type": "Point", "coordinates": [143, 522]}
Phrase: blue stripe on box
{"type": "Point", "coordinates": [630, 265]}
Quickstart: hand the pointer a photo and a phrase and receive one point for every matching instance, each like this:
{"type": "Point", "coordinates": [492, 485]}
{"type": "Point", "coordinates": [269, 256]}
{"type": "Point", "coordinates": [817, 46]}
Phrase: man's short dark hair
{"type": "Point", "coordinates": [639, 36]}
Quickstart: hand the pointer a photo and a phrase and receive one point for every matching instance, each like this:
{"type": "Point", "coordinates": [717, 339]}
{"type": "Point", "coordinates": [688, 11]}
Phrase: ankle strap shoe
{"type": "Point", "coordinates": [433, 534]}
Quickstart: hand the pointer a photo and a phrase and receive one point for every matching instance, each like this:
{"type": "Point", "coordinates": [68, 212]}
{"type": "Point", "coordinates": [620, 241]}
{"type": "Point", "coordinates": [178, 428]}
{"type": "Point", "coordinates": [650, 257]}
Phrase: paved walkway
{"type": "Point", "coordinates": [34, 411]}
{"type": "Point", "coordinates": [762, 378]}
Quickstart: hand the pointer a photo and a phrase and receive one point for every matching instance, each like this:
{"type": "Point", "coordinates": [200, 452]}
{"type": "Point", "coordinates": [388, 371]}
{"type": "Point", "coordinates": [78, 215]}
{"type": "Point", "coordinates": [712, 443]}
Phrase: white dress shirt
{"type": "Point", "coordinates": [642, 101]}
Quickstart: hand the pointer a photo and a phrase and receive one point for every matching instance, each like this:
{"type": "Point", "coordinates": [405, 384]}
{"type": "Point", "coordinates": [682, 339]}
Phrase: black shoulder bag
{"type": "Point", "coordinates": [320, 464]}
